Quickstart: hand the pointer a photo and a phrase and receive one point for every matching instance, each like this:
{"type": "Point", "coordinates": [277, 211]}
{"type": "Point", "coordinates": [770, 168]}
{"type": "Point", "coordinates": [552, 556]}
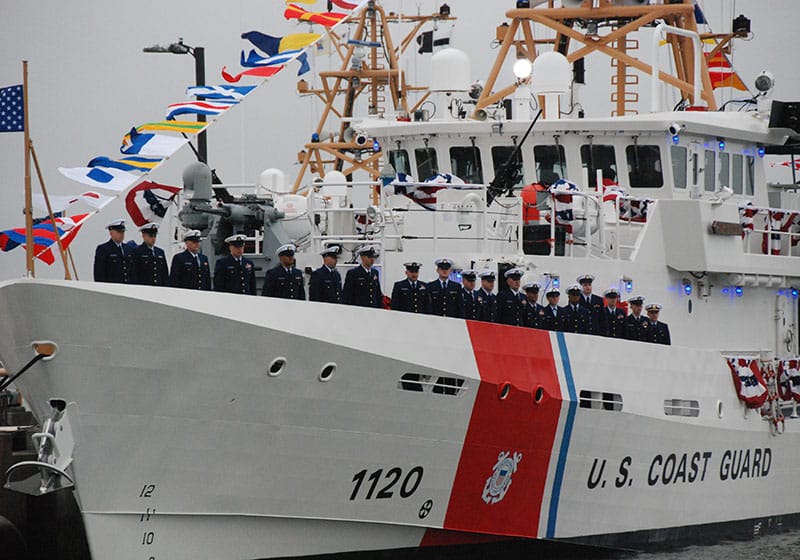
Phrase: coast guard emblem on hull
{"type": "Point", "coordinates": [497, 485]}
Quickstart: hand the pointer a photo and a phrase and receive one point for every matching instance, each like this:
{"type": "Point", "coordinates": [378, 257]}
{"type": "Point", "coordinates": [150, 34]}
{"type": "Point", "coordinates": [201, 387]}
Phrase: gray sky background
{"type": "Point", "coordinates": [89, 82]}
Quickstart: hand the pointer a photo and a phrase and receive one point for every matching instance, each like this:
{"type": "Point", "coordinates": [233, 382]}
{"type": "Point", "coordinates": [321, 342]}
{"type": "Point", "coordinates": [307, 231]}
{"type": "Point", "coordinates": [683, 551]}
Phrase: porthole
{"type": "Point", "coordinates": [538, 395]}
{"type": "Point", "coordinates": [720, 412]}
{"type": "Point", "coordinates": [276, 367]}
{"type": "Point", "coordinates": [505, 388]}
{"type": "Point", "coordinates": [327, 371]}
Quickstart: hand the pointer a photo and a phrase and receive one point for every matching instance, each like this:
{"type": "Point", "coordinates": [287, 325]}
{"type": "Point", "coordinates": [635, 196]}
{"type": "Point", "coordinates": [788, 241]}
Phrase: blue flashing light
{"type": "Point", "coordinates": [315, 137]}
{"type": "Point", "coordinates": [376, 146]}
{"type": "Point", "coordinates": [676, 139]}
{"type": "Point", "coordinates": [556, 282]}
{"type": "Point", "coordinates": [721, 145]}
{"type": "Point", "coordinates": [739, 291]}
{"type": "Point", "coordinates": [761, 151]}
{"type": "Point", "coordinates": [687, 289]}
{"type": "Point", "coordinates": [726, 290]}
{"type": "Point", "coordinates": [629, 286]}
{"type": "Point", "coordinates": [794, 293]}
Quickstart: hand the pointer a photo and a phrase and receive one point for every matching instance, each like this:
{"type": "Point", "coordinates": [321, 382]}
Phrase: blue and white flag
{"type": "Point", "coordinates": [100, 177]}
{"type": "Point", "coordinates": [219, 93]}
{"type": "Point", "coordinates": [254, 60]}
{"type": "Point", "coordinates": [150, 145]}
{"type": "Point", "coordinates": [208, 108]}
{"type": "Point", "coordinates": [12, 109]}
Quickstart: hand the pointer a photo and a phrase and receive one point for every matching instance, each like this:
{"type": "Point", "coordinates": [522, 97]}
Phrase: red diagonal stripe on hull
{"type": "Point", "coordinates": [517, 424]}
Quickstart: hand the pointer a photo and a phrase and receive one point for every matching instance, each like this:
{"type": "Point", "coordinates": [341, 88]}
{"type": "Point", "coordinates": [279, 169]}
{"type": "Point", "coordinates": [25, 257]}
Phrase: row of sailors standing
{"type": "Point", "coordinates": [587, 313]}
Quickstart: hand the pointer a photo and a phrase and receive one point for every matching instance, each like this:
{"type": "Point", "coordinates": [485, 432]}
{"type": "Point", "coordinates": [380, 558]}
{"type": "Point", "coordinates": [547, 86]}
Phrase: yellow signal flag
{"type": "Point", "coordinates": [297, 41]}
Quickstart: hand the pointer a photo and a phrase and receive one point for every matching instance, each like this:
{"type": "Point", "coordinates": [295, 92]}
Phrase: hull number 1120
{"type": "Point", "coordinates": [382, 485]}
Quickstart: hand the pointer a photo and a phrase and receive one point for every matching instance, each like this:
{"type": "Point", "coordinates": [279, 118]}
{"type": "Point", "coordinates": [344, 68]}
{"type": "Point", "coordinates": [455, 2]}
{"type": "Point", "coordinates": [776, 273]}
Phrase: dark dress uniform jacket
{"type": "Point", "coordinates": [326, 285]}
{"type": "Point", "coordinates": [577, 319]}
{"type": "Point", "coordinates": [112, 265]}
{"type": "Point", "coordinates": [469, 300]}
{"type": "Point", "coordinates": [634, 327]}
{"type": "Point", "coordinates": [280, 283]}
{"type": "Point", "coordinates": [657, 332]}
{"type": "Point", "coordinates": [362, 287]}
{"type": "Point", "coordinates": [184, 272]}
{"type": "Point", "coordinates": [410, 298]}
{"type": "Point", "coordinates": [487, 305]}
{"type": "Point", "coordinates": [612, 323]}
{"type": "Point", "coordinates": [235, 277]}
{"type": "Point", "coordinates": [509, 308]}
{"type": "Point", "coordinates": [446, 301]}
{"type": "Point", "coordinates": [553, 321]}
{"type": "Point", "coordinates": [150, 267]}
{"type": "Point", "coordinates": [595, 305]}
{"type": "Point", "coordinates": [533, 315]}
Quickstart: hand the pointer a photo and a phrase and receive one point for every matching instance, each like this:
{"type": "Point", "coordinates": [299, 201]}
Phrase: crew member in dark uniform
{"type": "Point", "coordinates": [113, 260]}
{"type": "Point", "coordinates": [410, 294]}
{"type": "Point", "coordinates": [362, 286]}
{"type": "Point", "coordinates": [593, 303]}
{"type": "Point", "coordinates": [190, 269]}
{"type": "Point", "coordinates": [533, 314]}
{"type": "Point", "coordinates": [635, 322]}
{"type": "Point", "coordinates": [284, 280]}
{"type": "Point", "coordinates": [656, 331]}
{"type": "Point", "coordinates": [444, 293]}
{"type": "Point", "coordinates": [487, 301]}
{"type": "Point", "coordinates": [326, 282]}
{"type": "Point", "coordinates": [469, 296]}
{"type": "Point", "coordinates": [511, 300]}
{"type": "Point", "coordinates": [553, 313]}
{"type": "Point", "coordinates": [612, 318]}
{"type": "Point", "coordinates": [235, 273]}
{"type": "Point", "coordinates": [149, 261]}
{"type": "Point", "coordinates": [577, 319]}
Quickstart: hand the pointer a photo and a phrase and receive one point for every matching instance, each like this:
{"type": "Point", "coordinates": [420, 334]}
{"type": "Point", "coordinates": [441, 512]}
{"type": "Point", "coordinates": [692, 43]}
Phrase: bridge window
{"type": "Point", "coordinates": [681, 407]}
{"type": "Point", "coordinates": [400, 162]}
{"type": "Point", "coordinates": [500, 155]}
{"type": "Point", "coordinates": [724, 170]}
{"type": "Point", "coordinates": [427, 164]}
{"type": "Point", "coordinates": [551, 165]}
{"type": "Point", "coordinates": [644, 166]}
{"type": "Point", "coordinates": [749, 170]}
{"type": "Point", "coordinates": [465, 163]}
{"type": "Point", "coordinates": [596, 156]}
{"type": "Point", "coordinates": [679, 166]}
{"type": "Point", "coordinates": [709, 173]}
{"type": "Point", "coordinates": [737, 174]}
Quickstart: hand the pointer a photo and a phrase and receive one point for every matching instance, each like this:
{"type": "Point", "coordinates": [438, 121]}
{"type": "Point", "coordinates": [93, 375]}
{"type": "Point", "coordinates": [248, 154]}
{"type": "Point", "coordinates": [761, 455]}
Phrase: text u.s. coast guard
{"type": "Point", "coordinates": [691, 467]}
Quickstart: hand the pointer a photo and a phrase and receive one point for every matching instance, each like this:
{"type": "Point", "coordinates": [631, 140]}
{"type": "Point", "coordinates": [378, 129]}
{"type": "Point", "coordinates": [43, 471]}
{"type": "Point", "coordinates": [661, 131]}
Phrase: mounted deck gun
{"type": "Point", "coordinates": [218, 214]}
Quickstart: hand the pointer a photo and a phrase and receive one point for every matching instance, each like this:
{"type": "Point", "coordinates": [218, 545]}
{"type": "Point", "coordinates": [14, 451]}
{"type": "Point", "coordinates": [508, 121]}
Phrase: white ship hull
{"type": "Point", "coordinates": [187, 448]}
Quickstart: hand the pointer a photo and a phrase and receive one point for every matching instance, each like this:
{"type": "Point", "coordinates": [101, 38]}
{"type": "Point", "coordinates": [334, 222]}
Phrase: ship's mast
{"type": "Point", "coordinates": [604, 26]}
{"type": "Point", "coordinates": [369, 67]}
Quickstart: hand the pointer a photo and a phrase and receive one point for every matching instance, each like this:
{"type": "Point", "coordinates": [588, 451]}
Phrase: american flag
{"type": "Point", "coordinates": [11, 109]}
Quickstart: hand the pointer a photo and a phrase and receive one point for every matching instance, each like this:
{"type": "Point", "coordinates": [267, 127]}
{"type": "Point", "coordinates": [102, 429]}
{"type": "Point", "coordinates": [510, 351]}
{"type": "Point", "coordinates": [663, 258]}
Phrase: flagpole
{"type": "Point", "coordinates": [29, 266]}
{"type": "Point", "coordinates": [50, 212]}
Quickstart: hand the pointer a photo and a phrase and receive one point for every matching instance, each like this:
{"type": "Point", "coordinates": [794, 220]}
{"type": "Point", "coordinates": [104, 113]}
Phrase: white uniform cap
{"type": "Point", "coordinates": [487, 274]}
{"type": "Point", "coordinates": [573, 288]}
{"type": "Point", "coordinates": [611, 290]}
{"type": "Point", "coordinates": [529, 285]}
{"type": "Point", "coordinates": [639, 299]}
{"type": "Point", "coordinates": [443, 261]}
{"type": "Point", "coordinates": [514, 272]}
{"type": "Point", "coordinates": [238, 238]}
{"type": "Point", "coordinates": [150, 226]}
{"type": "Point", "coordinates": [585, 278]}
{"type": "Point", "coordinates": [332, 250]}
{"type": "Point", "coordinates": [368, 250]}
{"type": "Point", "coordinates": [286, 249]}
{"type": "Point", "coordinates": [469, 272]}
{"type": "Point", "coordinates": [653, 306]}
{"type": "Point", "coordinates": [192, 234]}
{"type": "Point", "coordinates": [116, 224]}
